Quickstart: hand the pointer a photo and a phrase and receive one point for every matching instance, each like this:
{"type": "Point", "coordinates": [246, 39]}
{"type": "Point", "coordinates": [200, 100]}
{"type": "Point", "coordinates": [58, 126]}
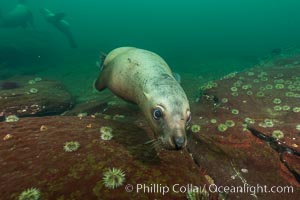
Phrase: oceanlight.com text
{"type": "Point", "coordinates": [212, 188]}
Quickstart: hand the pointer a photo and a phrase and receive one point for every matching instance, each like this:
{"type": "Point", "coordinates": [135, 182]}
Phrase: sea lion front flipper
{"type": "Point", "coordinates": [177, 77]}
{"type": "Point", "coordinates": [99, 84]}
{"type": "Point", "coordinates": [72, 42]}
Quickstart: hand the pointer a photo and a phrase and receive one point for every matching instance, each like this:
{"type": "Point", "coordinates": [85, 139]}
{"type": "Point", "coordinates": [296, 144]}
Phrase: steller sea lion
{"type": "Point", "coordinates": [144, 78]}
{"type": "Point", "coordinates": [58, 21]}
{"type": "Point", "coordinates": [21, 15]}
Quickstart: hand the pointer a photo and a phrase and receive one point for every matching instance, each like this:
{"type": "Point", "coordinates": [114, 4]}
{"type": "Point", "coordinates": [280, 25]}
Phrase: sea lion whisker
{"type": "Point", "coordinates": [158, 144]}
{"type": "Point", "coordinates": [157, 147]}
{"type": "Point", "coordinates": [155, 143]}
{"type": "Point", "coordinates": [150, 141]}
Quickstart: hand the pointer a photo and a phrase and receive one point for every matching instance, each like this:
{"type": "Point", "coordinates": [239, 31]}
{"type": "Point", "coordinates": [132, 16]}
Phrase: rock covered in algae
{"type": "Point", "coordinates": [41, 97]}
{"type": "Point", "coordinates": [257, 129]}
{"type": "Point", "coordinates": [97, 170]}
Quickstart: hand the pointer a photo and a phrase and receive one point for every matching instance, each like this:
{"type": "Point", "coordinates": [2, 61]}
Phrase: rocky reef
{"type": "Point", "coordinates": [249, 129]}
{"type": "Point", "coordinates": [245, 132]}
{"type": "Point", "coordinates": [33, 96]}
{"type": "Point", "coordinates": [26, 52]}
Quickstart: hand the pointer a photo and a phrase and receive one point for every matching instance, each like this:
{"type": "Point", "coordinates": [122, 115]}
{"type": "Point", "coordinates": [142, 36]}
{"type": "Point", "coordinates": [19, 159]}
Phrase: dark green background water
{"type": "Point", "coordinates": [194, 36]}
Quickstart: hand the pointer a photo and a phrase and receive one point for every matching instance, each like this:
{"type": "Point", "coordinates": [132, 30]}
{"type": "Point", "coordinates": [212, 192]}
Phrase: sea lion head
{"type": "Point", "coordinates": [168, 115]}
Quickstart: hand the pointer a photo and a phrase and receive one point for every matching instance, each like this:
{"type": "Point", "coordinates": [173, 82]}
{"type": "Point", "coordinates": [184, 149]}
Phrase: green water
{"type": "Point", "coordinates": [201, 37]}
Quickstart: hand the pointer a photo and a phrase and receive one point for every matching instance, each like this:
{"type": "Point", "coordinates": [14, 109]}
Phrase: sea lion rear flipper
{"type": "Point", "coordinates": [72, 42]}
{"type": "Point", "coordinates": [99, 84]}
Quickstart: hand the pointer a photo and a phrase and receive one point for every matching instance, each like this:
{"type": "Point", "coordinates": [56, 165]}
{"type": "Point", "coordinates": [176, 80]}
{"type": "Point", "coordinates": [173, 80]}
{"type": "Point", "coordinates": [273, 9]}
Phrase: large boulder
{"type": "Point", "coordinates": [33, 96]}
{"type": "Point", "coordinates": [26, 52]}
{"type": "Point", "coordinates": [244, 137]}
{"type": "Point", "coordinates": [32, 155]}
{"type": "Point", "coordinates": [245, 131]}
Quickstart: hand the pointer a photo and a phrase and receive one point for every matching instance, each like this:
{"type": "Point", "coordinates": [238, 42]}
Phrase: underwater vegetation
{"type": "Point", "coordinates": [277, 134]}
{"type": "Point", "coordinates": [71, 146]}
{"type": "Point", "coordinates": [106, 133]}
{"type": "Point", "coordinates": [30, 194]}
{"type": "Point", "coordinates": [222, 127]}
{"type": "Point", "coordinates": [33, 90]}
{"type": "Point", "coordinates": [113, 178]}
{"type": "Point", "coordinates": [35, 80]}
{"type": "Point", "coordinates": [195, 128]}
{"type": "Point", "coordinates": [230, 123]}
{"type": "Point", "coordinates": [201, 194]}
{"type": "Point", "coordinates": [12, 118]}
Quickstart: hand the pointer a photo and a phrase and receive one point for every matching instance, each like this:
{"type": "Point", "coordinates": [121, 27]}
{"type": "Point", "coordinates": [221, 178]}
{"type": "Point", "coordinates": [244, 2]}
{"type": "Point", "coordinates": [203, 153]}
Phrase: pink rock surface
{"type": "Point", "coordinates": [259, 102]}
{"type": "Point", "coordinates": [247, 154]}
{"type": "Point", "coordinates": [35, 158]}
{"type": "Point", "coordinates": [28, 98]}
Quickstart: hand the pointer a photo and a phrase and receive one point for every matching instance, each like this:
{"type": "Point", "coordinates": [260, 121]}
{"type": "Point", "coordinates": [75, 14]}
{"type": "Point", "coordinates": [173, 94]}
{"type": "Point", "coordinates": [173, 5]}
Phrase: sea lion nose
{"type": "Point", "coordinates": [179, 141]}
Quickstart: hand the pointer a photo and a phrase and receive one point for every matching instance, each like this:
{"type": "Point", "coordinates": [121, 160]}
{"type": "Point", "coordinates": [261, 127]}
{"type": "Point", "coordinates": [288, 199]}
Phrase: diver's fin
{"type": "Point", "coordinates": [59, 16]}
{"type": "Point", "coordinates": [177, 77]}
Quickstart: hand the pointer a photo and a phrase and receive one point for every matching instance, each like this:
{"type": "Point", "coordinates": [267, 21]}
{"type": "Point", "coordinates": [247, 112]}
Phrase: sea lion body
{"type": "Point", "coordinates": [58, 21]}
{"type": "Point", "coordinates": [144, 78]}
{"type": "Point", "coordinates": [19, 16]}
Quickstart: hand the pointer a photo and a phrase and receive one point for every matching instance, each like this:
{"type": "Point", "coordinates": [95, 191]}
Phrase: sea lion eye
{"type": "Point", "coordinates": [157, 113]}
